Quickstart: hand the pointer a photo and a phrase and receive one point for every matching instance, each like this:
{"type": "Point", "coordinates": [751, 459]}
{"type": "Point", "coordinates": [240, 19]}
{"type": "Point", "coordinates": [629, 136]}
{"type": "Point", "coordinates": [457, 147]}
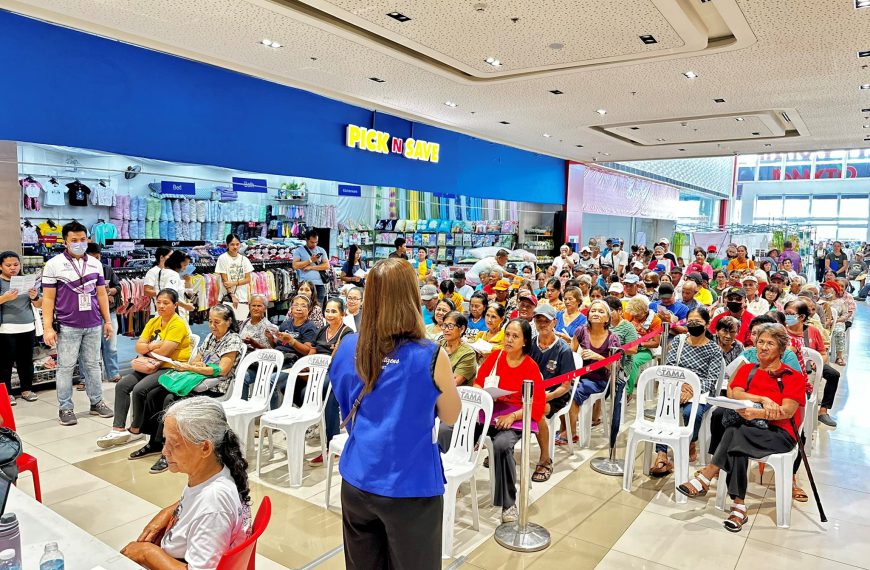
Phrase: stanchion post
{"type": "Point", "coordinates": [666, 339]}
{"type": "Point", "coordinates": [608, 465]}
{"type": "Point", "coordinates": [524, 536]}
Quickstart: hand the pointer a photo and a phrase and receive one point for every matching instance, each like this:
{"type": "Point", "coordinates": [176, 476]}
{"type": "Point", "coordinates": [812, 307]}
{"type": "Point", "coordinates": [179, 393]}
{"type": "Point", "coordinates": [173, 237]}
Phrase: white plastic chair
{"type": "Point", "coordinates": [294, 421]}
{"type": "Point", "coordinates": [336, 447]}
{"type": "Point", "coordinates": [584, 429]}
{"type": "Point", "coordinates": [813, 402]}
{"type": "Point", "coordinates": [194, 346]}
{"type": "Point", "coordinates": [240, 413]}
{"type": "Point", "coordinates": [232, 386]}
{"type": "Point", "coordinates": [553, 423]}
{"type": "Point", "coordinates": [783, 465]}
{"type": "Point", "coordinates": [460, 461]}
{"type": "Point", "coordinates": [666, 428]}
{"type": "Point", "coordinates": [704, 457]}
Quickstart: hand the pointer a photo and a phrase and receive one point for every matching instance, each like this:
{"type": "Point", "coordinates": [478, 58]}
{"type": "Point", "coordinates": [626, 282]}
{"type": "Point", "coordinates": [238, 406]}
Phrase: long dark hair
{"type": "Point", "coordinates": [161, 251]}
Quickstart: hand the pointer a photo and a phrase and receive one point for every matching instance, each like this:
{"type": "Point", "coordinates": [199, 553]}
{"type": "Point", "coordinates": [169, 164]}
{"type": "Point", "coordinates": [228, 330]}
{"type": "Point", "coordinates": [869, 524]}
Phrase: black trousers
{"type": "Point", "coordinates": [832, 382]}
{"type": "Point", "coordinates": [17, 349]}
{"type": "Point", "coordinates": [384, 532]}
{"type": "Point", "coordinates": [743, 442]}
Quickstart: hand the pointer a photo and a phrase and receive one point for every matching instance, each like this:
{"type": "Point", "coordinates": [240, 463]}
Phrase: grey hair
{"type": "Point", "coordinates": [261, 296]}
{"type": "Point", "coordinates": [777, 332]}
{"type": "Point", "coordinates": [200, 419]}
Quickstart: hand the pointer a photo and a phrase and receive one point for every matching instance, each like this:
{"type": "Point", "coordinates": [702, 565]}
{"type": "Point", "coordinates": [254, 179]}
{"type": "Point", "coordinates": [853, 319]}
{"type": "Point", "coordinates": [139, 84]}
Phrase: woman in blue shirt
{"type": "Point", "coordinates": [390, 383]}
{"type": "Point", "coordinates": [477, 313]}
{"type": "Point", "coordinates": [353, 264]}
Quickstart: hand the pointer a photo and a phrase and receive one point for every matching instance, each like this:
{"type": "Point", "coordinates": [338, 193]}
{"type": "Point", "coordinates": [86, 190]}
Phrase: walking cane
{"type": "Point", "coordinates": [803, 455]}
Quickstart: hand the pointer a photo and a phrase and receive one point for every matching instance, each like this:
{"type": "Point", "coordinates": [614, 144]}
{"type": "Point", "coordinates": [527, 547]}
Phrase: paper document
{"type": "Point", "coordinates": [481, 346]}
{"type": "Point", "coordinates": [156, 356]}
{"type": "Point", "coordinates": [490, 385]}
{"type": "Point", "coordinates": [24, 283]}
{"type": "Point", "coordinates": [360, 273]}
{"type": "Point", "coordinates": [730, 403]}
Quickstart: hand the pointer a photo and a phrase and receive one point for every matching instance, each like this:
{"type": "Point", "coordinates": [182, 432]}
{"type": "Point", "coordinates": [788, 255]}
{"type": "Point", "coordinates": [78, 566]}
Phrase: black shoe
{"type": "Point", "coordinates": [146, 451]}
{"type": "Point", "coordinates": [160, 466]}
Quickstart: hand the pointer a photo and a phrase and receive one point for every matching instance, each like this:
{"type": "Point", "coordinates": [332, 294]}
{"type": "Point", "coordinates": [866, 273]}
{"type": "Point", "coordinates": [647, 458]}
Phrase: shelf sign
{"type": "Point", "coordinates": [383, 143]}
{"type": "Point", "coordinates": [249, 185]}
{"type": "Point", "coordinates": [349, 190]}
{"type": "Point", "coordinates": [172, 187]}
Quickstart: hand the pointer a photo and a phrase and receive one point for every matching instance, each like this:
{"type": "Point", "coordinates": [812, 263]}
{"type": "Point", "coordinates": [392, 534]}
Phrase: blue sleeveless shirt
{"type": "Point", "coordinates": [390, 451]}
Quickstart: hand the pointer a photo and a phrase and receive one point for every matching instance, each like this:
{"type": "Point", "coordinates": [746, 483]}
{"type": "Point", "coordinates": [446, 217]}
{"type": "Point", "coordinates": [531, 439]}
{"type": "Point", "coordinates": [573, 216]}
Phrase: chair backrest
{"type": "Point", "coordinates": [6, 408]}
{"type": "Point", "coordinates": [231, 389]}
{"type": "Point", "coordinates": [732, 368]}
{"type": "Point", "coordinates": [578, 360]}
{"type": "Point", "coordinates": [464, 448]}
{"type": "Point", "coordinates": [317, 365]}
{"type": "Point", "coordinates": [720, 382]}
{"type": "Point", "coordinates": [194, 345]}
{"type": "Point", "coordinates": [670, 380]}
{"type": "Point", "coordinates": [268, 361]}
{"type": "Point", "coordinates": [242, 557]}
{"type": "Point", "coordinates": [818, 363]}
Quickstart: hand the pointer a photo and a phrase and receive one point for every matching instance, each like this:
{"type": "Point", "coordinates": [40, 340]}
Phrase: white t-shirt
{"type": "Point", "coordinates": [235, 269]}
{"type": "Point", "coordinates": [485, 265]}
{"type": "Point", "coordinates": [561, 264]}
{"type": "Point", "coordinates": [209, 520]}
{"type": "Point", "coordinates": [466, 291]}
{"type": "Point", "coordinates": [617, 259]}
{"type": "Point", "coordinates": [54, 195]}
{"type": "Point", "coordinates": [587, 263]}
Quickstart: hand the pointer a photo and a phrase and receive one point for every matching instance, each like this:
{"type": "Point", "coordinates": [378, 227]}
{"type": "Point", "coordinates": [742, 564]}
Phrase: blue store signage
{"type": "Point", "coordinates": [349, 190]}
{"type": "Point", "coordinates": [249, 185]}
{"type": "Point", "coordinates": [173, 187]}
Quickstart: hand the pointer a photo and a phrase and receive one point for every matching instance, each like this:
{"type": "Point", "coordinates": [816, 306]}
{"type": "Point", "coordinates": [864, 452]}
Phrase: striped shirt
{"type": "Point", "coordinates": [71, 277]}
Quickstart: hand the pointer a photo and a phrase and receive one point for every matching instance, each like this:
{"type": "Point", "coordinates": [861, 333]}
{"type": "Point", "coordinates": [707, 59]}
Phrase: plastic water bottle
{"type": "Point", "coordinates": [7, 560]}
{"type": "Point", "coordinates": [10, 535]}
{"type": "Point", "coordinates": [52, 558]}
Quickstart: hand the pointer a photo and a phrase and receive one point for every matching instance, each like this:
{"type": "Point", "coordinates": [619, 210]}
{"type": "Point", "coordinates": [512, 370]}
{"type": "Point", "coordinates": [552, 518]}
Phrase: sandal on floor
{"type": "Point", "coordinates": [840, 362]}
{"type": "Point", "coordinates": [563, 441]}
{"type": "Point", "coordinates": [696, 487]}
{"type": "Point", "coordinates": [736, 519]}
{"type": "Point", "coordinates": [543, 471]}
{"type": "Point", "coordinates": [661, 468]}
{"type": "Point", "coordinates": [80, 387]}
{"type": "Point", "coordinates": [799, 494]}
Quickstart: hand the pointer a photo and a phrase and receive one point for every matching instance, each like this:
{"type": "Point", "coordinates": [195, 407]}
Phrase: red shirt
{"type": "Point", "coordinates": [742, 332]}
{"type": "Point", "coordinates": [488, 289]}
{"type": "Point", "coordinates": [793, 388]}
{"type": "Point", "coordinates": [512, 379]}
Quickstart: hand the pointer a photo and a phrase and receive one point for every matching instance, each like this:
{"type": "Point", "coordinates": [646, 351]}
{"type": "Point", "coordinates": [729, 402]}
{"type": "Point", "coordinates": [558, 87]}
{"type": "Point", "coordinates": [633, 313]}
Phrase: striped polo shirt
{"type": "Point", "coordinates": [71, 277]}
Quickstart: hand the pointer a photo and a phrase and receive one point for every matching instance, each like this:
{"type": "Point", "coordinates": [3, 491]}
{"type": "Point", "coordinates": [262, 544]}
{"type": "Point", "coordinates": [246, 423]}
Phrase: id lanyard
{"type": "Point", "coordinates": [84, 297]}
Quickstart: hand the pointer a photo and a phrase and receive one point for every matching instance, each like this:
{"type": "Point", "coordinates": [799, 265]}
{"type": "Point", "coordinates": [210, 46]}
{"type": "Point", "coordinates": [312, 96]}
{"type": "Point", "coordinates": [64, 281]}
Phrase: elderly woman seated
{"type": "Point", "coordinates": [210, 373]}
{"type": "Point", "coordinates": [214, 513]}
{"type": "Point", "coordinates": [778, 392]}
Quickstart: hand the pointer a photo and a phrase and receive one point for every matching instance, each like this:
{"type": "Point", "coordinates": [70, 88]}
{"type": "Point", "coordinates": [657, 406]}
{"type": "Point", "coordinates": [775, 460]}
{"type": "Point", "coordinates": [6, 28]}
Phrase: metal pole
{"type": "Point", "coordinates": [524, 536]}
{"type": "Point", "coordinates": [609, 465]}
{"type": "Point", "coordinates": [650, 413]}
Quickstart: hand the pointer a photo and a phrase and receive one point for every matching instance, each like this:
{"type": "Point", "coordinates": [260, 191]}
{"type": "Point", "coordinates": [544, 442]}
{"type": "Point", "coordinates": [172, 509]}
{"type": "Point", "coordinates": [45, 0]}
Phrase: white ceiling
{"type": "Point", "coordinates": [761, 56]}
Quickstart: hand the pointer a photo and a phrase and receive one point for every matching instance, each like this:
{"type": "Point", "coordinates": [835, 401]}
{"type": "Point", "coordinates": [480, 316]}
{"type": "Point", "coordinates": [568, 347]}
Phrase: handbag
{"type": "Point", "coordinates": [324, 275]}
{"type": "Point", "coordinates": [182, 382]}
{"type": "Point", "coordinates": [145, 364]}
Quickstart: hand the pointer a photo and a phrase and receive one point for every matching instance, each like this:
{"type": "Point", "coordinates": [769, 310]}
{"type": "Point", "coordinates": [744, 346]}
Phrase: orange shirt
{"type": "Point", "coordinates": [737, 265]}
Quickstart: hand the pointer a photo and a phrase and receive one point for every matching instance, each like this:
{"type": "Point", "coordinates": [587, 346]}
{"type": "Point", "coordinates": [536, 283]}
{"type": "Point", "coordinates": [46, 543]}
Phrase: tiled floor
{"type": "Point", "coordinates": [592, 521]}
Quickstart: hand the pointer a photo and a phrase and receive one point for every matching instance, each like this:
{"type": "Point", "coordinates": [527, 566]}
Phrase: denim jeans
{"type": "Point", "coordinates": [109, 350]}
{"type": "Point", "coordinates": [73, 343]}
{"type": "Point", "coordinates": [686, 409]}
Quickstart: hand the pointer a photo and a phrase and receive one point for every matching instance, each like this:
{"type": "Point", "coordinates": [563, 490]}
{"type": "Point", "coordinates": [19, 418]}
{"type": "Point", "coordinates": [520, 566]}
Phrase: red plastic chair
{"type": "Point", "coordinates": [25, 461]}
{"type": "Point", "coordinates": [242, 557]}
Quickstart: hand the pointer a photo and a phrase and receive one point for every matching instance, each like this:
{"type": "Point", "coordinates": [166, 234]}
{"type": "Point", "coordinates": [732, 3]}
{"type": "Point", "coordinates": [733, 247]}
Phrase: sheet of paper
{"type": "Point", "coordinates": [481, 346]}
{"type": "Point", "coordinates": [24, 283]}
{"type": "Point", "coordinates": [360, 273]}
{"type": "Point", "coordinates": [496, 392]}
{"type": "Point", "coordinates": [160, 358]}
{"type": "Point", "coordinates": [729, 403]}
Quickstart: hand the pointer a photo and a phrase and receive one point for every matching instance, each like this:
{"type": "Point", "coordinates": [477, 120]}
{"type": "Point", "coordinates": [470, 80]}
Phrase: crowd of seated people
{"type": "Point", "coordinates": [528, 322]}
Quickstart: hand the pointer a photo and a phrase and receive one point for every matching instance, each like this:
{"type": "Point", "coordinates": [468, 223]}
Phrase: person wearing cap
{"type": "Point", "coordinates": [500, 292]}
{"type": "Point", "coordinates": [833, 295]}
{"type": "Point", "coordinates": [617, 258]}
{"type": "Point", "coordinates": [490, 264]}
{"type": "Point", "coordinates": [735, 306]}
{"type": "Point", "coordinates": [713, 258]}
{"type": "Point", "coordinates": [554, 358]}
{"type": "Point", "coordinates": [586, 260]}
{"type": "Point", "coordinates": [630, 284]}
{"type": "Point", "coordinates": [462, 287]}
{"type": "Point", "coordinates": [742, 261]}
{"type": "Point", "coordinates": [526, 303]}
{"type": "Point", "coordinates": [667, 307]}
{"type": "Point", "coordinates": [660, 258]}
{"type": "Point", "coordinates": [699, 263]}
{"type": "Point", "coordinates": [755, 303]}
{"type": "Point", "coordinates": [670, 255]}
{"type": "Point", "coordinates": [566, 259]}
{"type": "Point", "coordinates": [616, 290]}
{"type": "Point", "coordinates": [676, 274]}
{"type": "Point", "coordinates": [780, 279]}
{"type": "Point", "coordinates": [604, 278]}
{"type": "Point", "coordinates": [429, 296]}
{"type": "Point", "coordinates": [637, 268]}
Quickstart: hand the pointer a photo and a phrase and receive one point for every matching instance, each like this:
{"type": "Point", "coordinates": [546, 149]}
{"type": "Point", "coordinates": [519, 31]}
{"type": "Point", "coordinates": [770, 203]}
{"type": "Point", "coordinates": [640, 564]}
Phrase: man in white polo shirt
{"type": "Point", "coordinates": [74, 290]}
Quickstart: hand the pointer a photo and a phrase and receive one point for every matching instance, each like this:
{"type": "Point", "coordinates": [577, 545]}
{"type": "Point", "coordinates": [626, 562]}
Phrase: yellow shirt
{"type": "Point", "coordinates": [456, 298]}
{"type": "Point", "coordinates": [704, 296]}
{"type": "Point", "coordinates": [497, 340]}
{"type": "Point", "coordinates": [175, 331]}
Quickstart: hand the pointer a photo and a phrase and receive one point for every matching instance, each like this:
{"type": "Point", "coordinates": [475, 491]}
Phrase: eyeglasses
{"type": "Point", "coordinates": [447, 326]}
{"type": "Point", "coordinates": [354, 298]}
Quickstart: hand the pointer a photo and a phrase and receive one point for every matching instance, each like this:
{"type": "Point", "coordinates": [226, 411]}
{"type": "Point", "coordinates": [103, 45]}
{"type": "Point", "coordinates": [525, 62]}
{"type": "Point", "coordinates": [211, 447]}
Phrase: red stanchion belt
{"type": "Point", "coordinates": [599, 364]}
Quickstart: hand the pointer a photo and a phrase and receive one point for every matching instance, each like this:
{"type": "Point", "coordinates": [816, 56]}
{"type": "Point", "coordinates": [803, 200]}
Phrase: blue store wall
{"type": "Point", "coordinates": [64, 87]}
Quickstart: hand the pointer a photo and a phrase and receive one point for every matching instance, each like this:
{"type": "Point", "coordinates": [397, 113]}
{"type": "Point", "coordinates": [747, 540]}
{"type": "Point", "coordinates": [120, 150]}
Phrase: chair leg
{"type": "Point", "coordinates": [295, 453]}
{"type": "Point", "coordinates": [647, 456]}
{"type": "Point", "coordinates": [328, 477]}
{"type": "Point", "coordinates": [551, 444]}
{"type": "Point", "coordinates": [475, 509]}
{"type": "Point", "coordinates": [783, 482]}
{"type": "Point", "coordinates": [721, 489]}
{"type": "Point", "coordinates": [37, 487]}
{"type": "Point", "coordinates": [681, 467]}
{"type": "Point", "coordinates": [448, 517]}
{"type": "Point", "coordinates": [585, 429]}
{"type": "Point", "coordinates": [569, 432]}
{"type": "Point", "coordinates": [260, 449]}
{"type": "Point", "coordinates": [487, 442]}
{"type": "Point", "coordinates": [628, 470]}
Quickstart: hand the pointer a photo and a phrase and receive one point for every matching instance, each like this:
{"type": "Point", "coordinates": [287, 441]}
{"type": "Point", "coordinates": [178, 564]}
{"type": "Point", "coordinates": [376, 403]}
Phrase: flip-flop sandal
{"type": "Point", "coordinates": [799, 495]}
{"type": "Point", "coordinates": [80, 387]}
{"type": "Point", "coordinates": [543, 472]}
{"type": "Point", "coordinates": [738, 518]}
{"type": "Point", "coordinates": [666, 469]}
{"type": "Point", "coordinates": [696, 487]}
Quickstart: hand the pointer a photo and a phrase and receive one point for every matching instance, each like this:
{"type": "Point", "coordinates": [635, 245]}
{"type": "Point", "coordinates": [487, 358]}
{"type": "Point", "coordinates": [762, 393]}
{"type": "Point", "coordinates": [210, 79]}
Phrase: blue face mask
{"type": "Point", "coordinates": [78, 248]}
{"type": "Point", "coordinates": [791, 320]}
{"type": "Point", "coordinates": [189, 269]}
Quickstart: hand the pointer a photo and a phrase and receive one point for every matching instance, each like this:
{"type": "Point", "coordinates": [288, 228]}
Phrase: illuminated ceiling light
{"type": "Point", "coordinates": [601, 111]}
{"type": "Point", "coordinates": [648, 39]}
{"type": "Point", "coordinates": [606, 153]}
{"type": "Point", "coordinates": [739, 118]}
{"type": "Point", "coordinates": [450, 104]}
{"type": "Point", "coordinates": [861, 4]}
{"type": "Point", "coordinates": [865, 86]}
{"type": "Point", "coordinates": [660, 140]}
{"type": "Point", "coordinates": [270, 44]}
{"type": "Point", "coordinates": [493, 62]}
{"type": "Point", "coordinates": [690, 74]}
{"type": "Point", "coordinates": [547, 135]}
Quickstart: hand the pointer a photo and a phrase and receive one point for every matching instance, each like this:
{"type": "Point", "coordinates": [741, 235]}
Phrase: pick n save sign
{"type": "Point", "coordinates": [382, 142]}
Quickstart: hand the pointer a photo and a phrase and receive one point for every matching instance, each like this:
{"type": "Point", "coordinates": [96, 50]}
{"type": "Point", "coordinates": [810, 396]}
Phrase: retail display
{"type": "Point", "coordinates": [447, 241]}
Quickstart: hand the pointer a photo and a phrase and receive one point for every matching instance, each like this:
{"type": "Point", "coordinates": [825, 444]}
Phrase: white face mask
{"type": "Point", "coordinates": [78, 249]}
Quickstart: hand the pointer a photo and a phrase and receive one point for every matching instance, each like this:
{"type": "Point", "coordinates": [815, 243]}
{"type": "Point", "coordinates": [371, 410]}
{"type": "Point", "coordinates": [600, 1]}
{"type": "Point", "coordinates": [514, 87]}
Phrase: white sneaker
{"type": "Point", "coordinates": [114, 438]}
